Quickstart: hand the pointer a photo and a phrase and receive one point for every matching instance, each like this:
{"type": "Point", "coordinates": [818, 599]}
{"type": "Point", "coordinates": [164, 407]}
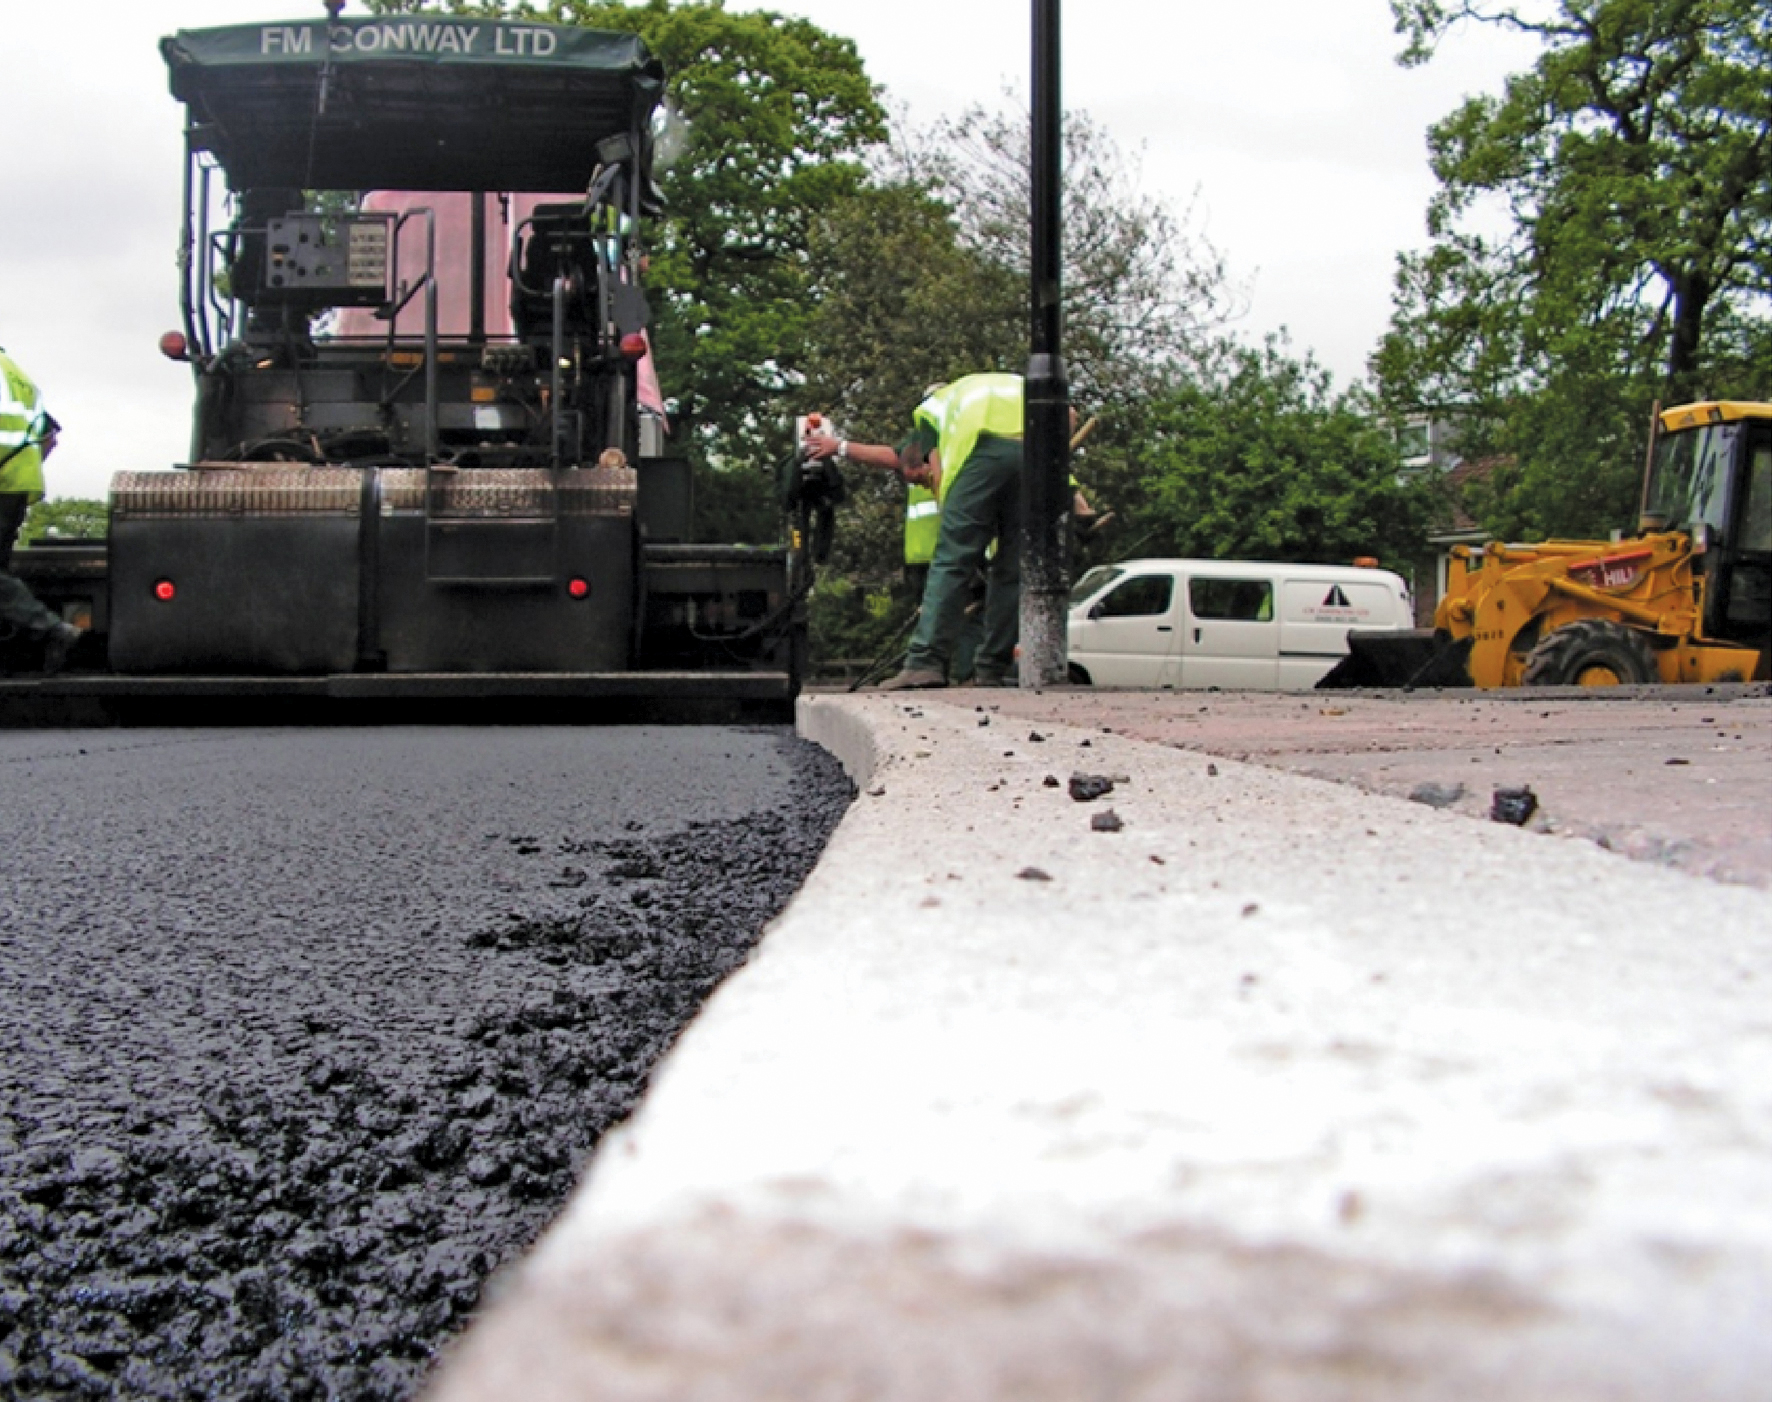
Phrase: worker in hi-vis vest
{"type": "Point", "coordinates": [917, 463]}
{"type": "Point", "coordinates": [977, 455]}
{"type": "Point", "coordinates": [27, 437]}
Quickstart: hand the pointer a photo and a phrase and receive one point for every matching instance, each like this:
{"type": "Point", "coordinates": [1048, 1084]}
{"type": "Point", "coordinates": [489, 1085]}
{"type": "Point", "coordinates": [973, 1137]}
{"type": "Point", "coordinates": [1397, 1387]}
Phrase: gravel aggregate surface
{"type": "Point", "coordinates": [305, 1033]}
{"type": "Point", "coordinates": [1675, 776]}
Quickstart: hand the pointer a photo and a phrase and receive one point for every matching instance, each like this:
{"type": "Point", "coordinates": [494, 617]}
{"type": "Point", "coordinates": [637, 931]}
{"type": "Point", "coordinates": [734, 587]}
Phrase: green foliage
{"type": "Point", "coordinates": [902, 304]}
{"type": "Point", "coordinates": [72, 518]}
{"type": "Point", "coordinates": [854, 622]}
{"type": "Point", "coordinates": [735, 508]}
{"type": "Point", "coordinates": [1577, 472]}
{"type": "Point", "coordinates": [1141, 285]}
{"type": "Point", "coordinates": [1601, 239]}
{"type": "Point", "coordinates": [1254, 454]}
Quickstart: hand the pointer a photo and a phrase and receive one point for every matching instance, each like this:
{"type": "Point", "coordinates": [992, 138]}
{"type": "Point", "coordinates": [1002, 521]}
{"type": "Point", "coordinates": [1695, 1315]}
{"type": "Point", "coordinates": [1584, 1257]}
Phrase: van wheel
{"type": "Point", "coordinates": [1592, 652]}
{"type": "Point", "coordinates": [1078, 677]}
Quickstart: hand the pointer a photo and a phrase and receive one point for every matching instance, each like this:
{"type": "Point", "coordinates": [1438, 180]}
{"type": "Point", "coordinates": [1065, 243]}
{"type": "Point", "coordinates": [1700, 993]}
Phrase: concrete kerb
{"type": "Point", "coordinates": [1280, 1090]}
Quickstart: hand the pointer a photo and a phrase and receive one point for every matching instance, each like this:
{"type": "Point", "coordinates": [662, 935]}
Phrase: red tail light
{"type": "Point", "coordinates": [165, 590]}
{"type": "Point", "coordinates": [633, 345]}
{"type": "Point", "coordinates": [578, 588]}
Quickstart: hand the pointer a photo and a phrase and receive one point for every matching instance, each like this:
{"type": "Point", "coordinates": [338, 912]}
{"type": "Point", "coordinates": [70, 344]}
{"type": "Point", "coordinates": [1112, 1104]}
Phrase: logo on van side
{"type": "Point", "coordinates": [1336, 608]}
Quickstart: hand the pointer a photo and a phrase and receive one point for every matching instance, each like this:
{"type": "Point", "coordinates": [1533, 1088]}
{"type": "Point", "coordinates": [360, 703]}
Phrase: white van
{"type": "Point", "coordinates": [1240, 624]}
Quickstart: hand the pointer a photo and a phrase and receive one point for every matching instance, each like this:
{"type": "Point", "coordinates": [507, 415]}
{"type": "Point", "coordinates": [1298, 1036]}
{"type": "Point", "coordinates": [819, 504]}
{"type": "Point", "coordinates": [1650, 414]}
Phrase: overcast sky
{"type": "Point", "coordinates": [1285, 122]}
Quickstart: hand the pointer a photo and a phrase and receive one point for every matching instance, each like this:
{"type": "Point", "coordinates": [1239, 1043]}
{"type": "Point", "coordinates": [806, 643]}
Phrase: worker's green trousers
{"type": "Point", "coordinates": [19, 610]}
{"type": "Point", "coordinates": [982, 505]}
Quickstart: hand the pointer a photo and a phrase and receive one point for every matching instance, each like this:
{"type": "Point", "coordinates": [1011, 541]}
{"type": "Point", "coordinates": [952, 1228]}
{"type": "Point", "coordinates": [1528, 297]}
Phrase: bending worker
{"type": "Point", "coordinates": [922, 531]}
{"type": "Point", "coordinates": [978, 452]}
{"type": "Point", "coordinates": [27, 437]}
{"type": "Point", "coordinates": [916, 463]}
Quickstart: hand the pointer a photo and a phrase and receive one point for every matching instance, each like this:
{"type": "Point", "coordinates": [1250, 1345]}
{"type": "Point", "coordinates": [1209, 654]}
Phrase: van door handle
{"type": "Point", "coordinates": [1164, 628]}
{"type": "Point", "coordinates": [1196, 635]}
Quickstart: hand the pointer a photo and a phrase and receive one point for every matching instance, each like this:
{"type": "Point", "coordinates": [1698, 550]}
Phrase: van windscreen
{"type": "Point", "coordinates": [1094, 582]}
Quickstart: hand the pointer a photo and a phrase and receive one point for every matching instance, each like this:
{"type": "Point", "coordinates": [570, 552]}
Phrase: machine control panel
{"type": "Point", "coordinates": [328, 259]}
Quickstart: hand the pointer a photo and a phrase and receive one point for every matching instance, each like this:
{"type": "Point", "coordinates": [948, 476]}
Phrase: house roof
{"type": "Point", "coordinates": [1460, 523]}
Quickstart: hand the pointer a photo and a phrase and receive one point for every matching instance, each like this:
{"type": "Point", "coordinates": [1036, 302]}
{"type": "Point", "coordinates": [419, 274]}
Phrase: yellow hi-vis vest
{"type": "Point", "coordinates": [974, 405]}
{"type": "Point", "coordinates": [929, 413]}
{"type": "Point", "coordinates": [23, 426]}
{"type": "Point", "coordinates": [922, 510]}
{"type": "Point", "coordinates": [922, 526]}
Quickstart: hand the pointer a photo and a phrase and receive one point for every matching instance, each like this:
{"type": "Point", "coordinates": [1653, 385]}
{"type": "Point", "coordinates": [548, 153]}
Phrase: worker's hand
{"type": "Point", "coordinates": [820, 445]}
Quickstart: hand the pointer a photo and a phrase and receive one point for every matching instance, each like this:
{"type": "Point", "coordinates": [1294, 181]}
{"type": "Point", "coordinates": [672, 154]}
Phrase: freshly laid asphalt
{"type": "Point", "coordinates": [1095, 1062]}
{"type": "Point", "coordinates": [304, 1032]}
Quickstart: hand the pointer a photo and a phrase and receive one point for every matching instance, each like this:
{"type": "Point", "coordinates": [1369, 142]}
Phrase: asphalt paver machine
{"type": "Point", "coordinates": [428, 451]}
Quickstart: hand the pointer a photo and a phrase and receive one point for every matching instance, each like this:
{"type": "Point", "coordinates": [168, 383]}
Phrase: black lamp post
{"type": "Point", "coordinates": [1046, 491]}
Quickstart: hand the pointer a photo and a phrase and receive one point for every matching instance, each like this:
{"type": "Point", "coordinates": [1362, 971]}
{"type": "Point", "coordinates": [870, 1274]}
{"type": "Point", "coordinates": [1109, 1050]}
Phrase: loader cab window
{"type": "Point", "coordinates": [1689, 482]}
{"type": "Point", "coordinates": [1241, 600]}
{"type": "Point", "coordinates": [1742, 595]}
{"type": "Point", "coordinates": [1142, 596]}
{"type": "Point", "coordinates": [1756, 509]}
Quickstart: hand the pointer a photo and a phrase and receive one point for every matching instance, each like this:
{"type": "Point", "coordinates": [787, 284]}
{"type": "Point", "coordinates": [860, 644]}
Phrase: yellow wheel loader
{"type": "Point", "coordinates": [1687, 599]}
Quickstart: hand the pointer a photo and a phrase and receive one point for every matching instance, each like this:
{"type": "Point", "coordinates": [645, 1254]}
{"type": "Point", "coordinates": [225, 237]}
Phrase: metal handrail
{"type": "Point", "coordinates": [428, 285]}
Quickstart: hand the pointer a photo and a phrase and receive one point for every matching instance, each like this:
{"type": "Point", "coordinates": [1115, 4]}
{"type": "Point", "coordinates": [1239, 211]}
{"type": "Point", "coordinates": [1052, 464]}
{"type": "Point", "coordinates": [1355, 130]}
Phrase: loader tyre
{"type": "Point", "coordinates": [1592, 652]}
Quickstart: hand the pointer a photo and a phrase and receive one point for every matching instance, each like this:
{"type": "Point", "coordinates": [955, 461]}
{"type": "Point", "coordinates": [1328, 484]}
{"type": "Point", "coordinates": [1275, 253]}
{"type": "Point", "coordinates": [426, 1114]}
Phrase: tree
{"type": "Point", "coordinates": [72, 518]}
{"type": "Point", "coordinates": [901, 305]}
{"type": "Point", "coordinates": [1254, 454]}
{"type": "Point", "coordinates": [1141, 284]}
{"type": "Point", "coordinates": [903, 302]}
{"type": "Point", "coordinates": [1631, 170]}
{"type": "Point", "coordinates": [922, 276]}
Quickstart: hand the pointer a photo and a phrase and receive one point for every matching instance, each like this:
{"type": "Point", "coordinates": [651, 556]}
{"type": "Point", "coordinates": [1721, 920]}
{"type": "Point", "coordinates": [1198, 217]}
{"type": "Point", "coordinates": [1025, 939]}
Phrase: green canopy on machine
{"type": "Point", "coordinates": [417, 102]}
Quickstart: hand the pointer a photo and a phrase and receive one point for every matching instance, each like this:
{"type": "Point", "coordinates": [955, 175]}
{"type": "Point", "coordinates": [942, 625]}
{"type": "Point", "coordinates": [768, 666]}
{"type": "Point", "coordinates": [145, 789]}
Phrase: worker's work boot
{"type": "Point", "coordinates": [915, 680]}
{"type": "Point", "coordinates": [58, 642]}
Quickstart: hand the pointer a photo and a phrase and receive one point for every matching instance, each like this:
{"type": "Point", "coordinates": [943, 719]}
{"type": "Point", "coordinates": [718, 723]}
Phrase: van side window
{"type": "Point", "coordinates": [1245, 600]}
{"type": "Point", "coordinates": [1138, 597]}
